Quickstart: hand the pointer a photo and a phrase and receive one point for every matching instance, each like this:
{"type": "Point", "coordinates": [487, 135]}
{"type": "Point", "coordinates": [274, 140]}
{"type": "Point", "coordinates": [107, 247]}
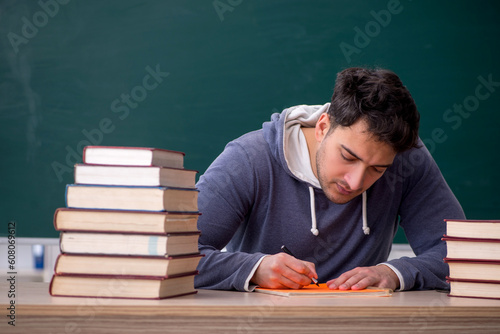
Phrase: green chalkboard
{"type": "Point", "coordinates": [192, 75]}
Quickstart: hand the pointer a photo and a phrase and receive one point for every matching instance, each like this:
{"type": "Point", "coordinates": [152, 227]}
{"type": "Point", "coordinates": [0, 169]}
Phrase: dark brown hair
{"type": "Point", "coordinates": [379, 97]}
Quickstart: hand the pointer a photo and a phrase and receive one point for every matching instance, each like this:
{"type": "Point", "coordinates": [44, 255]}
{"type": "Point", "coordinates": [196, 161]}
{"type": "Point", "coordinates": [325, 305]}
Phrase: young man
{"type": "Point", "coordinates": [332, 183]}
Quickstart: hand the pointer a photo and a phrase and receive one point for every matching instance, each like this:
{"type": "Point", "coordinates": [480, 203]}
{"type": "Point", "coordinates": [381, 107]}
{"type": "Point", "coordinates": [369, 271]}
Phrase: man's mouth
{"type": "Point", "coordinates": [343, 190]}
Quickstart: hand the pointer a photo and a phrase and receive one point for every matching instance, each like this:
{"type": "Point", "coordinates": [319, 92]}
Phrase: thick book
{"type": "Point", "coordinates": [126, 265]}
{"type": "Point", "coordinates": [129, 244]}
{"type": "Point", "coordinates": [474, 288]}
{"type": "Point", "coordinates": [322, 290]}
{"type": "Point", "coordinates": [135, 176]}
{"type": "Point", "coordinates": [121, 286]}
{"type": "Point", "coordinates": [474, 269]}
{"type": "Point", "coordinates": [485, 229]}
{"type": "Point", "coordinates": [132, 156]}
{"type": "Point", "coordinates": [101, 220]}
{"type": "Point", "coordinates": [131, 198]}
{"type": "Point", "coordinates": [472, 248]}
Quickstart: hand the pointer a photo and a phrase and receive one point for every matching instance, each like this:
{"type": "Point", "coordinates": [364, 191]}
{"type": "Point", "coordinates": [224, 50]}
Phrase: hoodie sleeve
{"type": "Point", "coordinates": [426, 201]}
{"type": "Point", "coordinates": [226, 192]}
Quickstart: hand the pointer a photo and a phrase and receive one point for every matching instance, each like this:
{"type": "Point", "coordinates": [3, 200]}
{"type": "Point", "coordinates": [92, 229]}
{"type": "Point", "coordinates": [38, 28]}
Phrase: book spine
{"type": "Point", "coordinates": [66, 195]}
{"type": "Point", "coordinates": [55, 218]}
{"type": "Point", "coordinates": [50, 285]}
{"type": "Point", "coordinates": [84, 154]}
{"type": "Point", "coordinates": [56, 263]}
{"type": "Point", "coordinates": [61, 251]}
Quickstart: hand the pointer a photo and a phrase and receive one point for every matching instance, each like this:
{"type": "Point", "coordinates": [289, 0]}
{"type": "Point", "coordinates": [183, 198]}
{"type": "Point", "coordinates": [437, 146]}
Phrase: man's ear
{"type": "Point", "coordinates": [322, 127]}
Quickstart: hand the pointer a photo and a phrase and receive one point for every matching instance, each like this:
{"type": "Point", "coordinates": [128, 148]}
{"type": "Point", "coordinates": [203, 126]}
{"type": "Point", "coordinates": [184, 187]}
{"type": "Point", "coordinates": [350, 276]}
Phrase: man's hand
{"type": "Point", "coordinates": [281, 271]}
{"type": "Point", "coordinates": [359, 278]}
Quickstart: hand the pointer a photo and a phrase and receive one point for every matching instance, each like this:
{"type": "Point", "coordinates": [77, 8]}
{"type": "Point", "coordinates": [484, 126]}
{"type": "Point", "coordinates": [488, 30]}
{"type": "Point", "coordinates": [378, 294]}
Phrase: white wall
{"type": "Point", "coordinates": [24, 266]}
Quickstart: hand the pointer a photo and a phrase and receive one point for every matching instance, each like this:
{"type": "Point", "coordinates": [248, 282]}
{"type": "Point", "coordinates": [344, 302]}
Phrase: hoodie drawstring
{"type": "Point", "coordinates": [366, 229]}
{"type": "Point", "coordinates": [314, 226]}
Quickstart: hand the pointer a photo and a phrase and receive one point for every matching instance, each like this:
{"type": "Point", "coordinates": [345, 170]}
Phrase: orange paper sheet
{"type": "Point", "coordinates": [322, 290]}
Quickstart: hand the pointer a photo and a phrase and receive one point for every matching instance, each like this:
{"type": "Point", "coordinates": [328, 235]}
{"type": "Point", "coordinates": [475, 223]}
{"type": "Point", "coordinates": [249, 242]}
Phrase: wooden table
{"type": "Point", "coordinates": [240, 312]}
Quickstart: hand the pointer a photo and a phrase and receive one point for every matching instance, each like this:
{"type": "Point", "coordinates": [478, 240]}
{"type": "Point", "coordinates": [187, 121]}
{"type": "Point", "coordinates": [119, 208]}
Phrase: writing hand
{"type": "Point", "coordinates": [362, 277]}
{"type": "Point", "coordinates": [281, 271]}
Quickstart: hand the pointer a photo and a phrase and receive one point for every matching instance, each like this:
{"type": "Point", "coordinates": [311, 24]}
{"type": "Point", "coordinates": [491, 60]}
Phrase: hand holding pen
{"type": "Point", "coordinates": [283, 271]}
{"type": "Point", "coordinates": [286, 250]}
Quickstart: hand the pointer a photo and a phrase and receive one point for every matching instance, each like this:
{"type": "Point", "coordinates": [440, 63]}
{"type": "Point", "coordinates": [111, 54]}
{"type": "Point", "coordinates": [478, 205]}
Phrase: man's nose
{"type": "Point", "coordinates": [355, 178]}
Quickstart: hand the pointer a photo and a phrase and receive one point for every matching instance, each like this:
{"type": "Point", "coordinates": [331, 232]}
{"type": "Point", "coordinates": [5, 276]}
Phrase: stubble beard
{"type": "Point", "coordinates": [330, 188]}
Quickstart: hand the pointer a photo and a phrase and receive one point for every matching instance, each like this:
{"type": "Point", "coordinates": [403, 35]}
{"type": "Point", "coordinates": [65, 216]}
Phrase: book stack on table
{"type": "Point", "coordinates": [129, 228]}
{"type": "Point", "coordinates": [473, 258]}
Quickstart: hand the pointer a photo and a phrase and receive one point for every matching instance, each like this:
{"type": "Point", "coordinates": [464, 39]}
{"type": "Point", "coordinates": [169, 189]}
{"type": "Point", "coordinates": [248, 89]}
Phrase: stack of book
{"type": "Point", "coordinates": [473, 257]}
{"type": "Point", "coordinates": [129, 229]}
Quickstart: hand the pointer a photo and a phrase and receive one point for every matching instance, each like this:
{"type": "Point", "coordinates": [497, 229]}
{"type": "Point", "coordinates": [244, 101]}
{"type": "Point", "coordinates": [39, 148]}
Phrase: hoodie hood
{"type": "Point", "coordinates": [289, 147]}
{"type": "Point", "coordinates": [287, 142]}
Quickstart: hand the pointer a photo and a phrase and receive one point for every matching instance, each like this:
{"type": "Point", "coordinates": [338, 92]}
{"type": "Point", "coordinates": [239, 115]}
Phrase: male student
{"type": "Point", "coordinates": [332, 183]}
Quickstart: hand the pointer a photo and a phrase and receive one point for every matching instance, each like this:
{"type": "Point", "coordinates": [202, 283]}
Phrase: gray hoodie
{"type": "Point", "coordinates": [261, 193]}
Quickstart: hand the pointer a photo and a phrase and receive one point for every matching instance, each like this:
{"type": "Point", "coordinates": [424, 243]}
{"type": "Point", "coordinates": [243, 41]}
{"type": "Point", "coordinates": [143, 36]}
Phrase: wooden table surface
{"type": "Point", "coordinates": [239, 312]}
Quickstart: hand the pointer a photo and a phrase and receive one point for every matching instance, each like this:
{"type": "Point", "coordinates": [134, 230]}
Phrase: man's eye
{"type": "Point", "coordinates": [377, 170]}
{"type": "Point", "coordinates": [346, 158]}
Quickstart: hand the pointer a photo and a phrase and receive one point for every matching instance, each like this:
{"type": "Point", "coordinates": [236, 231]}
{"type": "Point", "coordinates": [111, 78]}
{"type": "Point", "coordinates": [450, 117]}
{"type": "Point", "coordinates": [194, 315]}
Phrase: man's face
{"type": "Point", "coordinates": [349, 160]}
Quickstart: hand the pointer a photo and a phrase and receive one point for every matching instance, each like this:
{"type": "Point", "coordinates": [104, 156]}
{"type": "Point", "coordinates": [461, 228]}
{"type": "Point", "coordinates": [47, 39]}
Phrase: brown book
{"type": "Point", "coordinates": [472, 248]}
{"type": "Point", "coordinates": [474, 269]}
{"type": "Point", "coordinates": [129, 244]}
{"type": "Point", "coordinates": [474, 288]}
{"type": "Point", "coordinates": [121, 286]}
{"type": "Point", "coordinates": [126, 265]}
{"type": "Point", "coordinates": [131, 198]}
{"type": "Point", "coordinates": [135, 176]}
{"type": "Point", "coordinates": [485, 229]}
{"type": "Point", "coordinates": [132, 156]}
{"type": "Point", "coordinates": [67, 219]}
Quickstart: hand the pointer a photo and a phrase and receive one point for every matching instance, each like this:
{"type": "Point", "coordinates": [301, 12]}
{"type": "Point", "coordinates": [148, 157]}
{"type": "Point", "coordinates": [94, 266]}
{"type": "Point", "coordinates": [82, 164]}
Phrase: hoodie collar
{"type": "Point", "coordinates": [295, 148]}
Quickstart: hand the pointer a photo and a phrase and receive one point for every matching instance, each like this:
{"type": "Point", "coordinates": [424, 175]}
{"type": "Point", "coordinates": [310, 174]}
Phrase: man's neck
{"type": "Point", "coordinates": [311, 146]}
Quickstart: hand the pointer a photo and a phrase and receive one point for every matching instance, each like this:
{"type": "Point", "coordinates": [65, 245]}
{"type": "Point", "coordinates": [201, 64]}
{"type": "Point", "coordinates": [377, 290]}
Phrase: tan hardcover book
{"type": "Point", "coordinates": [131, 198]}
{"type": "Point", "coordinates": [101, 220]}
{"type": "Point", "coordinates": [121, 286]}
{"type": "Point", "coordinates": [481, 229]}
{"type": "Point", "coordinates": [474, 288]}
{"type": "Point", "coordinates": [129, 244]}
{"type": "Point", "coordinates": [126, 265]}
{"type": "Point", "coordinates": [474, 269]}
{"type": "Point", "coordinates": [135, 176]}
{"type": "Point", "coordinates": [132, 156]}
{"type": "Point", "coordinates": [472, 248]}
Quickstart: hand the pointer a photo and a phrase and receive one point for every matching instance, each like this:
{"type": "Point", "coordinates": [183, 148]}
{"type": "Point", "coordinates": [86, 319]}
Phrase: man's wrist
{"type": "Point", "coordinates": [249, 286]}
{"type": "Point", "coordinates": [398, 278]}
